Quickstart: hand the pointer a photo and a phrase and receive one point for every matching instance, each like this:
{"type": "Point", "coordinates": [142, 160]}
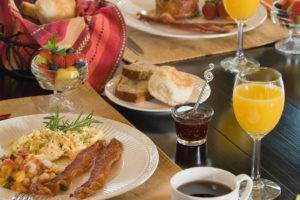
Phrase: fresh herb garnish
{"type": "Point", "coordinates": [55, 122]}
{"type": "Point", "coordinates": [51, 46]}
{"type": "Point", "coordinates": [7, 182]}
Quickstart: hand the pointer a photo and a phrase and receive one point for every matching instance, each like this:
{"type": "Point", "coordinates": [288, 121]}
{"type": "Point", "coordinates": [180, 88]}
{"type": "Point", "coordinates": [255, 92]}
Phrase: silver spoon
{"type": "Point", "coordinates": [208, 76]}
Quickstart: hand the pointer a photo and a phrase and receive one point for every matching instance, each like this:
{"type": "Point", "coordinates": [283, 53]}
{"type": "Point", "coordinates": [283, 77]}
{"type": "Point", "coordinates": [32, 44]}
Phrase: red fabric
{"type": "Point", "coordinates": [102, 37]}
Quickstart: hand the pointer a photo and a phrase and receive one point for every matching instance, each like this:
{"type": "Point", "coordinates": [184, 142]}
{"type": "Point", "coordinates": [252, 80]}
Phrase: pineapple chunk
{"type": "Point", "coordinates": [2, 180]}
{"type": "Point", "coordinates": [6, 170]}
{"type": "Point", "coordinates": [19, 176]}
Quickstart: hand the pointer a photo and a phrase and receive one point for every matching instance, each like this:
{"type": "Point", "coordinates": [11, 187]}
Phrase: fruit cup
{"type": "Point", "coordinates": [59, 80]}
{"type": "Point", "coordinates": [287, 14]}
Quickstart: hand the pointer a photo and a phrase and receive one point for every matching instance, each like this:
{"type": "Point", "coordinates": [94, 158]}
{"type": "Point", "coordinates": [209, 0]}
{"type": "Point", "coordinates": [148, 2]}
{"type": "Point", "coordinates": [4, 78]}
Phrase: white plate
{"type": "Point", "coordinates": [153, 105]}
{"type": "Point", "coordinates": [127, 174]}
{"type": "Point", "coordinates": [129, 8]}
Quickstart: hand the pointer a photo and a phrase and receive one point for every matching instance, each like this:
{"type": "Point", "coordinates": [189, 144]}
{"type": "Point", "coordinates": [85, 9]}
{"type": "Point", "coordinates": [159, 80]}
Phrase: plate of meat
{"type": "Point", "coordinates": [186, 23]}
{"type": "Point", "coordinates": [102, 170]}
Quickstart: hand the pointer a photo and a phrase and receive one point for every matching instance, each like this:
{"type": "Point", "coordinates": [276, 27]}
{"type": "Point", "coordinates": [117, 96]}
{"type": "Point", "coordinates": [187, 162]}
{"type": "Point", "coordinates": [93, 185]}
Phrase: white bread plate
{"type": "Point", "coordinates": [154, 105]}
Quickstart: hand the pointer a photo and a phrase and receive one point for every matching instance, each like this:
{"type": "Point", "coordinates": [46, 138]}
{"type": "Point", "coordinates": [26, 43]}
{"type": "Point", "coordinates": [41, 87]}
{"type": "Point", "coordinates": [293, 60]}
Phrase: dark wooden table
{"type": "Point", "coordinates": [228, 146]}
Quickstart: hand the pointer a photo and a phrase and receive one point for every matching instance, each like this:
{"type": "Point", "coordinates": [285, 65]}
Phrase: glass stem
{"type": "Point", "coordinates": [255, 173]}
{"type": "Point", "coordinates": [58, 94]}
{"type": "Point", "coordinates": [240, 39]}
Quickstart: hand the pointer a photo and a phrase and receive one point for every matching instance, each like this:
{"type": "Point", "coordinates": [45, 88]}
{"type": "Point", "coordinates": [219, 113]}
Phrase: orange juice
{"type": "Point", "coordinates": [258, 107]}
{"type": "Point", "coordinates": [241, 9]}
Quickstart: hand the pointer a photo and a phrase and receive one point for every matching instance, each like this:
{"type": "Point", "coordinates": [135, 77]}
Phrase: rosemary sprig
{"type": "Point", "coordinates": [55, 122]}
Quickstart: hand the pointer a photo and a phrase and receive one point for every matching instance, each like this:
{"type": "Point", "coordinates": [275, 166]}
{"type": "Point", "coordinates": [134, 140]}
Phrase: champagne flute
{"type": "Point", "coordinates": [240, 11]}
{"type": "Point", "coordinates": [258, 100]}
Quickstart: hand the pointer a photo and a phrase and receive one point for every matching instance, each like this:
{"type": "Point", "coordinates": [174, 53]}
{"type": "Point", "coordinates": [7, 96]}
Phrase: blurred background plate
{"type": "Point", "coordinates": [129, 9]}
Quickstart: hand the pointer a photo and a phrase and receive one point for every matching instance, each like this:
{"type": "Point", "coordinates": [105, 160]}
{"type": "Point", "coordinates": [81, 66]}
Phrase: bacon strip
{"type": "Point", "coordinates": [82, 163]}
{"type": "Point", "coordinates": [206, 27]}
{"type": "Point", "coordinates": [111, 154]}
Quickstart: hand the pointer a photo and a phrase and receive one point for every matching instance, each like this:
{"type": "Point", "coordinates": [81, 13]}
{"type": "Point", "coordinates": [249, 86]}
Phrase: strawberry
{"type": "Point", "coordinates": [60, 60]}
{"type": "Point", "coordinates": [209, 10]}
{"type": "Point", "coordinates": [81, 57]}
{"type": "Point", "coordinates": [221, 10]}
{"type": "Point", "coordinates": [46, 54]}
{"type": "Point", "coordinates": [285, 4]}
{"type": "Point", "coordinates": [71, 58]}
{"type": "Point", "coordinates": [49, 74]}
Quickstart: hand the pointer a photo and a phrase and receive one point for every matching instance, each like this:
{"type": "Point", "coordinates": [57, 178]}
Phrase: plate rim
{"type": "Point", "coordinates": [112, 97]}
{"type": "Point", "coordinates": [152, 151]}
{"type": "Point", "coordinates": [260, 8]}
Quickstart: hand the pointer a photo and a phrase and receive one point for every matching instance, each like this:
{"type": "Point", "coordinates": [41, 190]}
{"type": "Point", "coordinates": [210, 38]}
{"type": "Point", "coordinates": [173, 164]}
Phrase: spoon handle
{"type": "Point", "coordinates": [208, 76]}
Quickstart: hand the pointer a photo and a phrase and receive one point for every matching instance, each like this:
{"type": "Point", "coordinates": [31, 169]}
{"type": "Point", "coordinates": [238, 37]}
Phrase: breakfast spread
{"type": "Point", "coordinates": [170, 13]}
{"type": "Point", "coordinates": [29, 168]}
{"type": "Point", "coordinates": [47, 11]}
{"type": "Point", "coordinates": [140, 82]}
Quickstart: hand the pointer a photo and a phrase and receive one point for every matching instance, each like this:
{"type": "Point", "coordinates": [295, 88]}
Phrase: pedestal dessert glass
{"type": "Point", "coordinates": [289, 18]}
{"type": "Point", "coordinates": [50, 80]}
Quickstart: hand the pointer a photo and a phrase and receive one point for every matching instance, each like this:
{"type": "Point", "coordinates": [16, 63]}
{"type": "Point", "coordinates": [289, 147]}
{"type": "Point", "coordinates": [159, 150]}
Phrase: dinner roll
{"type": "Point", "coordinates": [170, 86]}
{"type": "Point", "coordinates": [49, 11]}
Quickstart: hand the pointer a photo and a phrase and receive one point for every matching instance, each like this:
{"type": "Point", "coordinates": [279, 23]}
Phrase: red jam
{"type": "Point", "coordinates": [192, 128]}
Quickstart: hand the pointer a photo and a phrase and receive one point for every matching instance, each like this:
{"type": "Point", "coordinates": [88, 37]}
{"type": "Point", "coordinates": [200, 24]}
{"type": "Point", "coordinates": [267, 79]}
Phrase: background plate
{"type": "Point", "coordinates": [129, 9]}
{"type": "Point", "coordinates": [125, 175]}
{"type": "Point", "coordinates": [153, 105]}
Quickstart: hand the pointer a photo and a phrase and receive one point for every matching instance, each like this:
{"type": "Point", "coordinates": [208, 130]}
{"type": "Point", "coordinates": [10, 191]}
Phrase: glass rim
{"type": "Point", "coordinates": [33, 65]}
{"type": "Point", "coordinates": [174, 113]}
{"type": "Point", "coordinates": [264, 68]}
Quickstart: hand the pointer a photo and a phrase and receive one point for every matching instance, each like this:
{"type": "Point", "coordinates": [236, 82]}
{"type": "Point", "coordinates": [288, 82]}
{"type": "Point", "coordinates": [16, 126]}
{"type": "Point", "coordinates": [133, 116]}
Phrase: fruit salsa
{"type": "Point", "coordinates": [22, 172]}
{"type": "Point", "coordinates": [59, 65]}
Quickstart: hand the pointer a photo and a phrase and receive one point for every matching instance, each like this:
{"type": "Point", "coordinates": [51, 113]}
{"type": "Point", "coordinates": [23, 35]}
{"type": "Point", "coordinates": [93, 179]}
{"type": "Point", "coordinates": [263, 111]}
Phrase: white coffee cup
{"type": "Point", "coordinates": [210, 174]}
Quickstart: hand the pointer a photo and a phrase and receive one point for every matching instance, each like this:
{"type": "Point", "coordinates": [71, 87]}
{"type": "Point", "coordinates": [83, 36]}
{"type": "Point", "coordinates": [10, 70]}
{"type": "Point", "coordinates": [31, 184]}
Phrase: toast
{"type": "Point", "coordinates": [138, 71]}
{"type": "Point", "coordinates": [132, 90]}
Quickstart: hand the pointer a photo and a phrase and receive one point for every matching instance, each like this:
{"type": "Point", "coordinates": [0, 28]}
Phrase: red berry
{"type": "Point", "coordinates": [71, 58]}
{"type": "Point", "coordinates": [43, 66]}
{"type": "Point", "coordinates": [81, 57]}
{"type": "Point", "coordinates": [46, 53]}
{"type": "Point", "coordinates": [209, 10]}
{"type": "Point", "coordinates": [221, 10]}
{"type": "Point", "coordinates": [60, 60]}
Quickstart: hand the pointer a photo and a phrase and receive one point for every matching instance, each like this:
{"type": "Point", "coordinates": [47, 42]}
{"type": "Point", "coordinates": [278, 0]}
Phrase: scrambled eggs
{"type": "Point", "coordinates": [51, 145]}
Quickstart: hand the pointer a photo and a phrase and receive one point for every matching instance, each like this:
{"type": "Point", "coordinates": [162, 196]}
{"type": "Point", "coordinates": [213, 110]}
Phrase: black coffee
{"type": "Point", "coordinates": [204, 189]}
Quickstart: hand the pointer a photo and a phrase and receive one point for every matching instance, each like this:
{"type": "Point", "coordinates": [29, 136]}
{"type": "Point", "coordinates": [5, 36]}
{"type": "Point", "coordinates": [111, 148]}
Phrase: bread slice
{"type": "Point", "coordinates": [28, 9]}
{"type": "Point", "coordinates": [170, 86]}
{"type": "Point", "coordinates": [138, 71]}
{"type": "Point", "coordinates": [132, 90]}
